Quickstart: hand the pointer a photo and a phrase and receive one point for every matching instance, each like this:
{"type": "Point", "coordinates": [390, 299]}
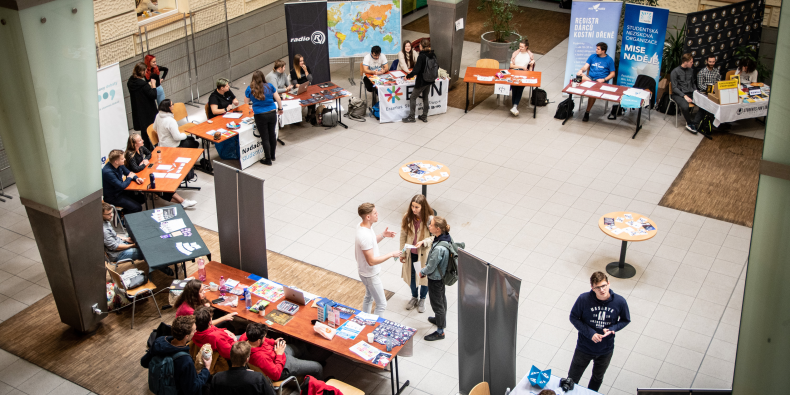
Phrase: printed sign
{"type": "Point", "coordinates": [250, 148]}
{"type": "Point", "coordinates": [502, 89]}
{"type": "Point", "coordinates": [113, 129]}
{"type": "Point", "coordinates": [394, 101]}
{"type": "Point", "coordinates": [642, 49]}
{"type": "Point", "coordinates": [591, 23]}
{"type": "Point", "coordinates": [306, 27]}
{"type": "Point", "coordinates": [728, 84]}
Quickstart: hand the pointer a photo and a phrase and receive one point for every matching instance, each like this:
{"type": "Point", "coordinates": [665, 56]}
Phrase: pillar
{"type": "Point", "coordinates": [446, 41]}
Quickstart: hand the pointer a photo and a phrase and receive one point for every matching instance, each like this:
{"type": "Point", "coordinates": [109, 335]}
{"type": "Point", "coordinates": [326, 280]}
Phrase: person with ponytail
{"type": "Point", "coordinates": [156, 73]}
{"type": "Point", "coordinates": [262, 96]}
{"type": "Point", "coordinates": [434, 270]}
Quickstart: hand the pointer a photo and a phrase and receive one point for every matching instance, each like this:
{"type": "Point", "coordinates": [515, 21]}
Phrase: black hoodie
{"type": "Point", "coordinates": [419, 68]}
{"type": "Point", "coordinates": [590, 316]}
{"type": "Point", "coordinates": [188, 381]}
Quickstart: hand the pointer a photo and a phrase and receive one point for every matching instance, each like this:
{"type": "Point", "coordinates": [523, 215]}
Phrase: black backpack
{"type": "Point", "coordinates": [664, 107]}
{"type": "Point", "coordinates": [539, 98]}
{"type": "Point", "coordinates": [431, 72]}
{"type": "Point", "coordinates": [565, 109]}
{"type": "Point", "coordinates": [566, 4]}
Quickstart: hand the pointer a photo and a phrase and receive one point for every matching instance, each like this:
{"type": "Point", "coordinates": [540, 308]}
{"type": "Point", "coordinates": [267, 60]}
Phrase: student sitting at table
{"type": "Point", "coordinates": [222, 99]}
{"type": "Point", "coordinates": [301, 74]}
{"type": "Point", "coordinates": [114, 185]}
{"type": "Point", "coordinates": [278, 78]}
{"type": "Point", "coordinates": [187, 380]}
{"type": "Point", "coordinates": [166, 128]}
{"type": "Point", "coordinates": [221, 340]}
{"type": "Point", "coordinates": [682, 81]}
{"type": "Point", "coordinates": [239, 380]}
{"type": "Point", "coordinates": [117, 248]}
{"type": "Point", "coordinates": [601, 69]}
{"type": "Point", "coordinates": [373, 63]}
{"type": "Point", "coordinates": [194, 296]}
{"type": "Point", "coordinates": [747, 70]}
{"type": "Point", "coordinates": [522, 59]}
{"type": "Point", "coordinates": [137, 158]}
{"type": "Point", "coordinates": [406, 57]}
{"type": "Point", "coordinates": [278, 360]}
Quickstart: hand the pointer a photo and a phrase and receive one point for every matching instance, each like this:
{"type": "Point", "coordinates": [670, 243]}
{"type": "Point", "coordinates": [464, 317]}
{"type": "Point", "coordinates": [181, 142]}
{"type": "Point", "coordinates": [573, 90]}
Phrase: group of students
{"type": "Point", "coordinates": [146, 94]}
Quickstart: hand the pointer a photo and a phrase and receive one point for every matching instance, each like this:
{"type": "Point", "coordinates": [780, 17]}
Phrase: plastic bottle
{"type": "Point", "coordinates": [158, 156]}
{"type": "Point", "coordinates": [201, 270]}
{"type": "Point", "coordinates": [222, 285]}
{"type": "Point", "coordinates": [247, 298]}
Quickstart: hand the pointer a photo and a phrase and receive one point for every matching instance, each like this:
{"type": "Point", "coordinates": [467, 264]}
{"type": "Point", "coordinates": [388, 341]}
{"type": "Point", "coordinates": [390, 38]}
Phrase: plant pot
{"type": "Point", "coordinates": [500, 51]}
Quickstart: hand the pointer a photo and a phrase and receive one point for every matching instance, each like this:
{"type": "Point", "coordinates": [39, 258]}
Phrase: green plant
{"type": "Point", "coordinates": [673, 50]}
{"type": "Point", "coordinates": [500, 13]}
{"type": "Point", "coordinates": [749, 52]}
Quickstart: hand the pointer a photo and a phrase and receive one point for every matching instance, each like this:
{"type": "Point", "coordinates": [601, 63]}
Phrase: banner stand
{"type": "Point", "coordinates": [591, 22]}
{"type": "Point", "coordinates": [642, 49]}
{"type": "Point", "coordinates": [113, 127]}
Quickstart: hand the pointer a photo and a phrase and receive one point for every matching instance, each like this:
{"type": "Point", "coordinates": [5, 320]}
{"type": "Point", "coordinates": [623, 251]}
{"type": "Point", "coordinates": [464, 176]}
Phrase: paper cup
{"type": "Point", "coordinates": [370, 337]}
{"type": "Point", "coordinates": [213, 287]}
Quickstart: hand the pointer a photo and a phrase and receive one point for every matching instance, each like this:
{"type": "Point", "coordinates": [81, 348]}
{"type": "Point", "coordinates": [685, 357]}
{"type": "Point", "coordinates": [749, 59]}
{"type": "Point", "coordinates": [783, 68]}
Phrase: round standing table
{"type": "Point", "coordinates": [428, 178]}
{"type": "Point", "coordinates": [620, 269]}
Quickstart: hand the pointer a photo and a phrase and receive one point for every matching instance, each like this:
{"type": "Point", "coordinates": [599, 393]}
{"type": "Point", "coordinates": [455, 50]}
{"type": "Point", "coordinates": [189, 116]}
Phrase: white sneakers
{"type": "Point", "coordinates": [514, 111]}
{"type": "Point", "coordinates": [188, 203]}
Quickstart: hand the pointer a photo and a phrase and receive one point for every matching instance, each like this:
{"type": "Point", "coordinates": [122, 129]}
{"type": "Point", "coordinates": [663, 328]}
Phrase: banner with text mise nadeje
{"type": "Point", "coordinates": [642, 49]}
{"type": "Point", "coordinates": [591, 22]}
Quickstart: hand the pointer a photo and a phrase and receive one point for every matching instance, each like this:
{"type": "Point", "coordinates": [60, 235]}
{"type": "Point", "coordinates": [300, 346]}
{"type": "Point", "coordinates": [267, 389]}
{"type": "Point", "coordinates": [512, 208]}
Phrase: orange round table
{"type": "Point", "coordinates": [626, 229]}
{"type": "Point", "coordinates": [435, 173]}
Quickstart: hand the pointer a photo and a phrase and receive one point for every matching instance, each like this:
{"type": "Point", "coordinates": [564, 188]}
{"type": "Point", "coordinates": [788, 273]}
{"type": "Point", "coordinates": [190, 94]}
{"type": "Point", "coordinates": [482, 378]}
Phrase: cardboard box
{"type": "Point", "coordinates": [724, 96]}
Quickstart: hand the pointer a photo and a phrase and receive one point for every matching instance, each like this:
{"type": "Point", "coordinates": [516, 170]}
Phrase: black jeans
{"type": "Point", "coordinates": [683, 105]}
{"type": "Point", "coordinates": [131, 202]}
{"type": "Point", "coordinates": [266, 124]}
{"type": "Point", "coordinates": [518, 91]}
{"type": "Point", "coordinates": [371, 88]}
{"type": "Point", "coordinates": [425, 90]}
{"type": "Point", "coordinates": [438, 302]}
{"type": "Point", "coordinates": [579, 365]}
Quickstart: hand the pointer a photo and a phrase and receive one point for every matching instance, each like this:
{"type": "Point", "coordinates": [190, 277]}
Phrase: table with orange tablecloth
{"type": "Point", "coordinates": [533, 80]}
{"type": "Point", "coordinates": [173, 177]}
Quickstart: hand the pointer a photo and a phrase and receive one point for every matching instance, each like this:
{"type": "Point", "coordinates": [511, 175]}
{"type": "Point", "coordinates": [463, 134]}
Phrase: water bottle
{"type": "Point", "coordinates": [222, 285]}
{"type": "Point", "coordinates": [247, 298]}
{"type": "Point", "coordinates": [201, 270]}
{"type": "Point", "coordinates": [158, 156]}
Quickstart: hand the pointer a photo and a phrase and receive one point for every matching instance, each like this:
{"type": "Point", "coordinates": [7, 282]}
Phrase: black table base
{"type": "Point", "coordinates": [620, 269]}
{"type": "Point", "coordinates": [395, 379]}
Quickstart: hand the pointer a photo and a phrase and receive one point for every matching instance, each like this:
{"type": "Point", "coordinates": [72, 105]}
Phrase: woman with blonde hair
{"type": "Point", "coordinates": [262, 96]}
{"type": "Point", "coordinates": [137, 158]}
{"type": "Point", "coordinates": [414, 231]}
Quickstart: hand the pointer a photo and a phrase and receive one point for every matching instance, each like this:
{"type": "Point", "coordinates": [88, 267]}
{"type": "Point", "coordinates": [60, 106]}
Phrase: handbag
{"type": "Point", "coordinates": [356, 109]}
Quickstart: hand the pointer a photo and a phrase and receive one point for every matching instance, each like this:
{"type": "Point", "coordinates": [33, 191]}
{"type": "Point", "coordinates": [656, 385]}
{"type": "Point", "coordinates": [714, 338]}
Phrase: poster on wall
{"type": "Point", "coordinates": [356, 26]}
{"type": "Point", "coordinates": [642, 49]}
{"type": "Point", "coordinates": [113, 129]}
{"type": "Point", "coordinates": [720, 31]}
{"type": "Point", "coordinates": [305, 25]}
{"type": "Point", "coordinates": [591, 22]}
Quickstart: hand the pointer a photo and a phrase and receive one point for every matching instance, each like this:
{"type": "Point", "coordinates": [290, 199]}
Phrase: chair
{"type": "Point", "coordinates": [179, 113]}
{"type": "Point", "coordinates": [278, 385]}
{"type": "Point", "coordinates": [152, 135]}
{"type": "Point", "coordinates": [671, 102]}
{"type": "Point", "coordinates": [207, 108]}
{"type": "Point", "coordinates": [729, 74]}
{"type": "Point", "coordinates": [148, 287]}
{"type": "Point", "coordinates": [394, 65]}
{"type": "Point", "coordinates": [362, 82]}
{"type": "Point", "coordinates": [345, 388]}
{"type": "Point", "coordinates": [481, 389]}
{"type": "Point", "coordinates": [485, 64]}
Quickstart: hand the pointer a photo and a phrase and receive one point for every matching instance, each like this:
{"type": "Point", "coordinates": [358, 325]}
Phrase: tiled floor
{"type": "Point", "coordinates": [524, 194]}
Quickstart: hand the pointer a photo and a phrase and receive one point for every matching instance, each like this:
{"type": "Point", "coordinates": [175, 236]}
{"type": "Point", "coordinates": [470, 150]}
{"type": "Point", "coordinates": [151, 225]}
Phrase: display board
{"type": "Point", "coordinates": [305, 25]}
{"type": "Point", "coordinates": [642, 49]}
{"type": "Point", "coordinates": [113, 129]}
{"type": "Point", "coordinates": [591, 22]}
{"type": "Point", "coordinates": [356, 26]}
{"type": "Point", "coordinates": [394, 100]}
{"type": "Point", "coordinates": [720, 31]}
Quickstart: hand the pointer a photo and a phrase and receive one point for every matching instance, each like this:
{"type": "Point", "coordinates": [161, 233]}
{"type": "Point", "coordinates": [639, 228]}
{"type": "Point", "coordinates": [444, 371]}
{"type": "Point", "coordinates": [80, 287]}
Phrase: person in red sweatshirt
{"type": "Point", "coordinates": [221, 340]}
{"type": "Point", "coordinates": [266, 354]}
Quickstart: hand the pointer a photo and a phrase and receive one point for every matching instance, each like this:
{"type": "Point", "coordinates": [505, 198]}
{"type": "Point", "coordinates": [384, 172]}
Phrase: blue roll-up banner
{"type": "Point", "coordinates": [642, 49]}
{"type": "Point", "coordinates": [591, 22]}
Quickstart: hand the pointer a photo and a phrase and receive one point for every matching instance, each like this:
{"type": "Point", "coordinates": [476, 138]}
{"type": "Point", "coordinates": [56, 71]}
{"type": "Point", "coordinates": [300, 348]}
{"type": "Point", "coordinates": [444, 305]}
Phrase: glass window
{"type": "Point", "coordinates": [151, 10]}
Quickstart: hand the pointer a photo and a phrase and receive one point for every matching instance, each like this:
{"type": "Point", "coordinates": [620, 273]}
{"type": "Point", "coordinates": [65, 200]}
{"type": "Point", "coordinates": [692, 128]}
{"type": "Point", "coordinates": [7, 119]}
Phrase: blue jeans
{"type": "Point", "coordinates": [413, 285]}
{"type": "Point", "coordinates": [160, 94]}
{"type": "Point", "coordinates": [130, 253]}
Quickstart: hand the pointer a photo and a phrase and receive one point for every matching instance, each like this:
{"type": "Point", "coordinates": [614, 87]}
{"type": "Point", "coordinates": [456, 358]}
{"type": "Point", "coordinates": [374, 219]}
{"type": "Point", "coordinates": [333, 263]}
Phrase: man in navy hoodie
{"type": "Point", "coordinates": [597, 315]}
{"type": "Point", "coordinates": [188, 381]}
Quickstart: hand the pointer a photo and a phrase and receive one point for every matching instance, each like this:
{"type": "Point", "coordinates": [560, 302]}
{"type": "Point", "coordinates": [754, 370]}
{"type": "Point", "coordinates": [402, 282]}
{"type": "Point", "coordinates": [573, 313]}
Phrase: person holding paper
{"type": "Point", "coordinates": [278, 78]}
{"type": "Point", "coordinates": [682, 80]}
{"type": "Point", "coordinates": [222, 100]}
{"type": "Point", "coordinates": [366, 252]}
{"type": "Point", "coordinates": [522, 59]}
{"type": "Point", "coordinates": [597, 315]}
{"type": "Point", "coordinates": [114, 185]}
{"type": "Point", "coordinates": [137, 157]}
{"type": "Point", "coordinates": [414, 231]}
{"type": "Point", "coordinates": [262, 96]}
{"type": "Point", "coordinates": [600, 68]}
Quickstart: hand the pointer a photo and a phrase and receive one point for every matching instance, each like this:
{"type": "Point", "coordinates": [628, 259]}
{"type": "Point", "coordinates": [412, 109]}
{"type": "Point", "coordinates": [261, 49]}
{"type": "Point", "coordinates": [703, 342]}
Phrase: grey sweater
{"type": "Point", "coordinates": [111, 241]}
{"type": "Point", "coordinates": [682, 81]}
{"type": "Point", "coordinates": [279, 80]}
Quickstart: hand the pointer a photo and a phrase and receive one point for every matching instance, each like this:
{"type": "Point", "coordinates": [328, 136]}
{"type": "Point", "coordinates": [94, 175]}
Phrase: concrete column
{"type": "Point", "coordinates": [447, 42]}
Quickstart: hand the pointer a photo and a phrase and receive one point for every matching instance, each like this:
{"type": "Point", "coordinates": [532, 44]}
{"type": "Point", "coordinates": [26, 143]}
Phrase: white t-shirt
{"type": "Point", "coordinates": [747, 78]}
{"type": "Point", "coordinates": [374, 64]}
{"type": "Point", "coordinates": [522, 60]}
{"type": "Point", "coordinates": [365, 240]}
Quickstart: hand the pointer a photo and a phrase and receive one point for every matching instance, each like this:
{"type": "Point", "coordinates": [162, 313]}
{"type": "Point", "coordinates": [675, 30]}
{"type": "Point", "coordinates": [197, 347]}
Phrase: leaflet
{"type": "Point", "coordinates": [608, 88]}
{"type": "Point", "coordinates": [593, 93]}
{"type": "Point", "coordinates": [588, 84]}
{"type": "Point", "coordinates": [173, 175]}
{"type": "Point", "coordinates": [610, 97]}
{"type": "Point", "coordinates": [232, 115]}
{"type": "Point", "coordinates": [481, 78]}
{"type": "Point", "coordinates": [164, 167]}
{"type": "Point", "coordinates": [349, 330]}
{"type": "Point", "coordinates": [575, 90]}
{"type": "Point", "coordinates": [365, 350]}
{"type": "Point", "coordinates": [182, 160]}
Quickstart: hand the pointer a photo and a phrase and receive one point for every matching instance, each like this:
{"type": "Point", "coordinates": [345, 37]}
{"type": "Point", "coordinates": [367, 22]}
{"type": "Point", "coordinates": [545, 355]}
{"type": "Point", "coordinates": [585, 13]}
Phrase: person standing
{"type": "Point", "coordinates": [366, 252]}
{"type": "Point", "coordinates": [601, 69]}
{"type": "Point", "coordinates": [222, 100]}
{"type": "Point", "coordinates": [142, 96]}
{"type": "Point", "coordinates": [278, 78]}
{"type": "Point", "coordinates": [414, 230]}
{"type": "Point", "coordinates": [156, 73]}
{"type": "Point", "coordinates": [522, 59]}
{"type": "Point", "coordinates": [406, 57]}
{"type": "Point", "coordinates": [438, 259]}
{"type": "Point", "coordinates": [262, 96]}
{"type": "Point", "coordinates": [421, 86]}
{"type": "Point", "coordinates": [376, 64]}
{"type": "Point", "coordinates": [597, 315]}
{"type": "Point", "coordinates": [682, 79]}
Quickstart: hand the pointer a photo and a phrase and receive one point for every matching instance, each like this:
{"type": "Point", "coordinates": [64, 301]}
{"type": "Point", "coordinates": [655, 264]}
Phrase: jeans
{"type": "Point", "coordinates": [374, 290]}
{"type": "Point", "coordinates": [683, 106]}
{"type": "Point", "coordinates": [371, 88]}
{"type": "Point", "coordinates": [266, 124]}
{"type": "Point", "coordinates": [425, 90]}
{"type": "Point", "coordinates": [130, 253]}
{"type": "Point", "coordinates": [423, 289]}
{"type": "Point", "coordinates": [518, 91]}
{"type": "Point", "coordinates": [128, 201]}
{"type": "Point", "coordinates": [160, 94]}
{"type": "Point", "coordinates": [301, 360]}
{"type": "Point", "coordinates": [579, 365]}
{"type": "Point", "coordinates": [438, 302]}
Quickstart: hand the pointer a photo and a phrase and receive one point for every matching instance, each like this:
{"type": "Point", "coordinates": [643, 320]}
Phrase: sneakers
{"type": "Point", "coordinates": [409, 120]}
{"type": "Point", "coordinates": [421, 306]}
{"type": "Point", "coordinates": [514, 111]}
{"type": "Point", "coordinates": [586, 117]}
{"type": "Point", "coordinates": [188, 203]}
{"type": "Point", "coordinates": [266, 162]}
{"type": "Point", "coordinates": [412, 303]}
{"type": "Point", "coordinates": [432, 320]}
{"type": "Point", "coordinates": [423, 118]}
{"type": "Point", "coordinates": [691, 128]}
{"type": "Point", "coordinates": [434, 336]}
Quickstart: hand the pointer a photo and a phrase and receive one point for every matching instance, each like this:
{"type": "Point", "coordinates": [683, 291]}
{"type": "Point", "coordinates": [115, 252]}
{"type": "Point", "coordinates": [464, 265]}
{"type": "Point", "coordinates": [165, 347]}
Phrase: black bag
{"type": "Point", "coordinates": [162, 330]}
{"type": "Point", "coordinates": [663, 105]}
{"type": "Point", "coordinates": [706, 124]}
{"type": "Point", "coordinates": [566, 4]}
{"type": "Point", "coordinates": [431, 72]}
{"type": "Point", "coordinates": [539, 98]}
{"type": "Point", "coordinates": [565, 109]}
{"type": "Point", "coordinates": [356, 109]}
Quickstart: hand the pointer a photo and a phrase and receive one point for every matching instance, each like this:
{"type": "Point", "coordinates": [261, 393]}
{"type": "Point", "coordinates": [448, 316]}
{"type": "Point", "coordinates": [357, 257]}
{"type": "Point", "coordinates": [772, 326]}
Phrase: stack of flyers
{"type": "Point", "coordinates": [633, 223]}
{"type": "Point", "coordinates": [349, 330]}
{"type": "Point", "coordinates": [365, 351]}
{"type": "Point", "coordinates": [187, 248]}
{"type": "Point", "coordinates": [641, 232]}
{"type": "Point", "coordinates": [608, 221]}
{"type": "Point", "coordinates": [648, 227]}
{"type": "Point", "coordinates": [338, 89]}
{"type": "Point", "coordinates": [162, 214]}
{"type": "Point", "coordinates": [172, 225]}
{"type": "Point", "coordinates": [617, 231]}
{"type": "Point", "coordinates": [618, 219]}
{"type": "Point", "coordinates": [628, 216]}
{"type": "Point", "coordinates": [183, 232]}
{"type": "Point", "coordinates": [382, 359]}
{"type": "Point", "coordinates": [631, 231]}
{"type": "Point", "coordinates": [393, 332]}
{"type": "Point", "coordinates": [345, 311]}
{"type": "Point", "coordinates": [643, 220]}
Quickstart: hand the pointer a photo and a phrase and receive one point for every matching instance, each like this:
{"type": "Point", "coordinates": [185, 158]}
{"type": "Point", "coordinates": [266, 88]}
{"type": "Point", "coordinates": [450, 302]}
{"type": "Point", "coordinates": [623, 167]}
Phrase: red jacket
{"type": "Point", "coordinates": [266, 359]}
{"type": "Point", "coordinates": [220, 341]}
{"type": "Point", "coordinates": [318, 387]}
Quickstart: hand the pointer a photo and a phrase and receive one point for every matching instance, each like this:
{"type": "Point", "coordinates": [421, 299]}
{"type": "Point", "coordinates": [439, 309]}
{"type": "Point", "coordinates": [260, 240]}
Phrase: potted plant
{"type": "Point", "coordinates": [501, 41]}
{"type": "Point", "coordinates": [750, 52]}
{"type": "Point", "coordinates": [673, 50]}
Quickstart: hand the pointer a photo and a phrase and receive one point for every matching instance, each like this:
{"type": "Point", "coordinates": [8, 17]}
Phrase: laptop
{"type": "Point", "coordinates": [294, 295]}
{"type": "Point", "coordinates": [302, 89]}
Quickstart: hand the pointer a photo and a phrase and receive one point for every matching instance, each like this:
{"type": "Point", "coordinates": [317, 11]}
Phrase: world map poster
{"type": "Point", "coordinates": [356, 26]}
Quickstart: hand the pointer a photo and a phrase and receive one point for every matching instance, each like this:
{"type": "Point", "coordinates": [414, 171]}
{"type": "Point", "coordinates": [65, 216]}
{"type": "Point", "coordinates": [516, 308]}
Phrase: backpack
{"type": "Point", "coordinates": [161, 374]}
{"type": "Point", "coordinates": [356, 109]}
{"type": "Point", "coordinates": [539, 98]}
{"type": "Point", "coordinates": [706, 124]}
{"type": "Point", "coordinates": [329, 117]}
{"type": "Point", "coordinates": [375, 110]}
{"type": "Point", "coordinates": [431, 72]}
{"type": "Point", "coordinates": [451, 272]}
{"type": "Point", "coordinates": [565, 109]}
{"type": "Point", "coordinates": [664, 107]}
{"type": "Point", "coordinates": [566, 4]}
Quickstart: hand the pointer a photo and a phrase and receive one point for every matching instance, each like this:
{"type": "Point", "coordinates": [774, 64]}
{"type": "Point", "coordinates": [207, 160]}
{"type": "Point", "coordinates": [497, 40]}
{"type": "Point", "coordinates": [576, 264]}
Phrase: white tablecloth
{"type": "Point", "coordinates": [730, 112]}
{"type": "Point", "coordinates": [292, 112]}
{"type": "Point", "coordinates": [394, 100]}
{"type": "Point", "coordinates": [250, 148]}
{"type": "Point", "coordinates": [525, 388]}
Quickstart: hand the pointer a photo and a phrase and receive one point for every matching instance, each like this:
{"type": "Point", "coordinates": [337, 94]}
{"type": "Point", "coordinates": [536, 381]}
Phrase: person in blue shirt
{"type": "Point", "coordinates": [262, 95]}
{"type": "Point", "coordinates": [597, 315]}
{"type": "Point", "coordinates": [114, 186]}
{"type": "Point", "coordinates": [601, 69]}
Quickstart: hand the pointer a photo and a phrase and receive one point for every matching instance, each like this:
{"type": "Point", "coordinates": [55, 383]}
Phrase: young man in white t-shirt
{"type": "Point", "coordinates": [366, 252]}
{"type": "Point", "coordinates": [376, 64]}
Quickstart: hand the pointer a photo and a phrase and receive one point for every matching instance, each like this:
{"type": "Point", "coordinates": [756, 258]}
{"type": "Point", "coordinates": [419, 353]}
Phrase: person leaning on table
{"type": "Point", "coordinates": [600, 67]}
{"type": "Point", "coordinates": [522, 59]}
{"type": "Point", "coordinates": [222, 99]}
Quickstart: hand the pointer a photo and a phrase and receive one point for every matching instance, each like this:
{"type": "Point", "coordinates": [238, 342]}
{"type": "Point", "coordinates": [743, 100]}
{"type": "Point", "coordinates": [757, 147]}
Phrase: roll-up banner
{"type": "Point", "coordinates": [113, 129]}
{"type": "Point", "coordinates": [642, 49]}
{"type": "Point", "coordinates": [306, 27]}
{"type": "Point", "coordinates": [591, 22]}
